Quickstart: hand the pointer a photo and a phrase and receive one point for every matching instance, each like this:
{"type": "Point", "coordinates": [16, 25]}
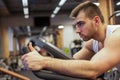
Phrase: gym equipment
{"type": "Point", "coordinates": [7, 73]}
{"type": "Point", "coordinates": [57, 53]}
{"type": "Point", "coordinates": [77, 46]}
{"type": "Point", "coordinates": [114, 13]}
{"type": "Point", "coordinates": [21, 77]}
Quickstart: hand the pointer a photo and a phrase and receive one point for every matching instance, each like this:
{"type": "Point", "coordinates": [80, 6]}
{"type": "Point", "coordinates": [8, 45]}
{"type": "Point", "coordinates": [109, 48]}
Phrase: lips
{"type": "Point", "coordinates": [81, 35]}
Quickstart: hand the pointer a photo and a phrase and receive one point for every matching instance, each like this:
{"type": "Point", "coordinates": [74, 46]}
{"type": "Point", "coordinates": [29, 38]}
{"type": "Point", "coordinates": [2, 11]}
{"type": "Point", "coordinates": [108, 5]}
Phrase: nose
{"type": "Point", "coordinates": [77, 30]}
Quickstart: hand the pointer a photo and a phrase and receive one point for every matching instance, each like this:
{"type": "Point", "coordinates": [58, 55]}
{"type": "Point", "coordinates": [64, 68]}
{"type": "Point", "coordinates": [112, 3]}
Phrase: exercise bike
{"type": "Point", "coordinates": [57, 53]}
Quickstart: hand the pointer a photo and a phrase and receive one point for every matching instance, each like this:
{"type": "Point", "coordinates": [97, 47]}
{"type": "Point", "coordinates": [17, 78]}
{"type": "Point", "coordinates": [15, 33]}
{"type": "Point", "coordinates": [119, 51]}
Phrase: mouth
{"type": "Point", "coordinates": [81, 35]}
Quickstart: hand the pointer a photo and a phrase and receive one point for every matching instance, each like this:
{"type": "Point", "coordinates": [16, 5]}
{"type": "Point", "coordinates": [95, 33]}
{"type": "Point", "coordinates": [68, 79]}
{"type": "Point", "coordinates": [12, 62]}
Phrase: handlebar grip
{"type": "Point", "coordinates": [25, 50]}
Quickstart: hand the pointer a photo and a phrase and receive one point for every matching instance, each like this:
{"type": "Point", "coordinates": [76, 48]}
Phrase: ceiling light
{"type": "Point", "coordinates": [26, 16]}
{"type": "Point", "coordinates": [118, 3]}
{"type": "Point", "coordinates": [62, 2]}
{"type": "Point", "coordinates": [118, 14]}
{"type": "Point", "coordinates": [25, 2]}
{"type": "Point", "coordinates": [25, 10]}
{"type": "Point", "coordinates": [115, 13]}
{"type": "Point", "coordinates": [56, 10]}
{"type": "Point", "coordinates": [61, 27]}
{"type": "Point", "coordinates": [53, 15]}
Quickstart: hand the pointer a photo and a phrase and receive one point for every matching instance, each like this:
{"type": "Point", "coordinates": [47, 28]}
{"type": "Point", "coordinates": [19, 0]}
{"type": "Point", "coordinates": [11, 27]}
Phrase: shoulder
{"type": "Point", "coordinates": [113, 40]}
{"type": "Point", "coordinates": [115, 35]}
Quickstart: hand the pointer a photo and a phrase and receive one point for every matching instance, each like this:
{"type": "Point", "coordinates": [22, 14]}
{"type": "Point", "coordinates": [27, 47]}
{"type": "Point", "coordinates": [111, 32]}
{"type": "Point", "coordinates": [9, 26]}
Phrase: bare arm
{"type": "Point", "coordinates": [86, 52]}
{"type": "Point", "coordinates": [105, 59]}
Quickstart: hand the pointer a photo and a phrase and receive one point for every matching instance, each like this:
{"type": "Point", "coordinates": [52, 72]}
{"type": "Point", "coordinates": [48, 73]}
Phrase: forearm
{"type": "Point", "coordinates": [76, 68]}
{"type": "Point", "coordinates": [83, 54]}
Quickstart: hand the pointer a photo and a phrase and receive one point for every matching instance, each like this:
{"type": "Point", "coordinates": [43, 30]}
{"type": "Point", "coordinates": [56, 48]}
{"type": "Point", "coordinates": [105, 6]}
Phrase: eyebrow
{"type": "Point", "coordinates": [79, 22]}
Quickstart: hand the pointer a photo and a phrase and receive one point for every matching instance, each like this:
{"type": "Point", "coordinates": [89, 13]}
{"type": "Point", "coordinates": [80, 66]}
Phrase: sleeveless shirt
{"type": "Point", "coordinates": [110, 29]}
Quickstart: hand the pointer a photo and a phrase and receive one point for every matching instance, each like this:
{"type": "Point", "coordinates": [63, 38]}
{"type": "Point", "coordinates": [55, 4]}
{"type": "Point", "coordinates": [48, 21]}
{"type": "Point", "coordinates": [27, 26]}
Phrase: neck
{"type": "Point", "coordinates": [101, 33]}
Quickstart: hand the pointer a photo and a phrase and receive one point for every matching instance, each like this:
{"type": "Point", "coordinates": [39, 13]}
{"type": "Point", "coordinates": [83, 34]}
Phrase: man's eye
{"type": "Point", "coordinates": [80, 23]}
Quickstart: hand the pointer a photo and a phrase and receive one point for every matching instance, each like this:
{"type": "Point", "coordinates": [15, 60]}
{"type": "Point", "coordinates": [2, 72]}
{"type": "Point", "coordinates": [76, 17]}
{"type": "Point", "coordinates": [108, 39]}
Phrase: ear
{"type": "Point", "coordinates": [97, 20]}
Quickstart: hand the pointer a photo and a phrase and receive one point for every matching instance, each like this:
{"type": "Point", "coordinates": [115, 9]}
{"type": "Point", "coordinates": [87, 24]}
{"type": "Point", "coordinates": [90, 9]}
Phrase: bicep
{"type": "Point", "coordinates": [105, 59]}
{"type": "Point", "coordinates": [108, 57]}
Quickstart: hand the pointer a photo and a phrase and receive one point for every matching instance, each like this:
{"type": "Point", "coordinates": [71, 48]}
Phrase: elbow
{"type": "Point", "coordinates": [95, 74]}
{"type": "Point", "coordinates": [75, 56]}
{"type": "Point", "coordinates": [91, 76]}
{"type": "Point", "coordinates": [96, 71]}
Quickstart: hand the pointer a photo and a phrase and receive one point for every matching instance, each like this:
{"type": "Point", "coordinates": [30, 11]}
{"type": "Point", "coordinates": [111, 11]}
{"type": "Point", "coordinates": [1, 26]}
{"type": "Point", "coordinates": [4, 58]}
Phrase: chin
{"type": "Point", "coordinates": [85, 39]}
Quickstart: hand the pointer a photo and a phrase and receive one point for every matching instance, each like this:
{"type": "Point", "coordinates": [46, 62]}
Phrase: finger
{"type": "Point", "coordinates": [24, 56]}
{"type": "Point", "coordinates": [25, 62]}
{"type": "Point", "coordinates": [25, 65]}
{"type": "Point", "coordinates": [31, 48]}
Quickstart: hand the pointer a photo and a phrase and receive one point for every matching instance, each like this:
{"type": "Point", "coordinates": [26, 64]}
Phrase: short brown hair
{"type": "Point", "coordinates": [90, 9]}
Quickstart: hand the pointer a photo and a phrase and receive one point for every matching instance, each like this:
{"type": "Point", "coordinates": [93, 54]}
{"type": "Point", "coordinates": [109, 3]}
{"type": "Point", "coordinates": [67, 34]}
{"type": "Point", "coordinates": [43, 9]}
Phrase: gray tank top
{"type": "Point", "coordinates": [110, 29]}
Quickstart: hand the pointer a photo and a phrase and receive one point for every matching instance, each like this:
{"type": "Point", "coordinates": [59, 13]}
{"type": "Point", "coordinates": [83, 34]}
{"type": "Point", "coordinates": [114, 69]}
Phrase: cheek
{"type": "Point", "coordinates": [85, 31]}
{"type": "Point", "coordinates": [88, 29]}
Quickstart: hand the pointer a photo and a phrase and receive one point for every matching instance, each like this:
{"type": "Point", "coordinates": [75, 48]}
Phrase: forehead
{"type": "Point", "coordinates": [81, 16]}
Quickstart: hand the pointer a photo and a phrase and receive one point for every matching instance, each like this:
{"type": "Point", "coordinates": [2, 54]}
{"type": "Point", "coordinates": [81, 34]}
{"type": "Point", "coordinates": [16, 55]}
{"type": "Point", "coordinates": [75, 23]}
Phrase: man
{"type": "Point", "coordinates": [100, 52]}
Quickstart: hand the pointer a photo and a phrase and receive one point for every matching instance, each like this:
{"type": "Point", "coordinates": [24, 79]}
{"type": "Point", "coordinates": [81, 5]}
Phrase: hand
{"type": "Point", "coordinates": [33, 60]}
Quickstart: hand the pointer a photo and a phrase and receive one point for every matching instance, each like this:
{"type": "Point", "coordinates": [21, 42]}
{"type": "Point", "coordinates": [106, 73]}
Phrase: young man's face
{"type": "Point", "coordinates": [85, 27]}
